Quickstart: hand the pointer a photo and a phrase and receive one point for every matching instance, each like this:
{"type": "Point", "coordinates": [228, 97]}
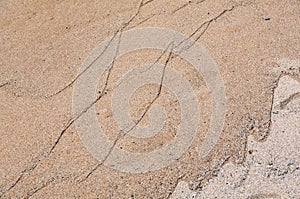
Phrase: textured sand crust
{"type": "Point", "coordinates": [271, 169]}
{"type": "Point", "coordinates": [254, 45]}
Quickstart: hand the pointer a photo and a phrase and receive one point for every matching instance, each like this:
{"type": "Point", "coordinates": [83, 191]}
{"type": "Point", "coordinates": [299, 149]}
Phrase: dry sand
{"type": "Point", "coordinates": [255, 46]}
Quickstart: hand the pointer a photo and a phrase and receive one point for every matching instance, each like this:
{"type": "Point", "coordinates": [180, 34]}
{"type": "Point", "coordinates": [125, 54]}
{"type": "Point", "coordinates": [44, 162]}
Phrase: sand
{"type": "Point", "coordinates": [249, 77]}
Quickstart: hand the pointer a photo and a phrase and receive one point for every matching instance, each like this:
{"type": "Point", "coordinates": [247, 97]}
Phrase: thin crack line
{"type": "Point", "coordinates": [81, 73]}
{"type": "Point", "coordinates": [186, 4]}
{"type": "Point", "coordinates": [64, 130]}
{"type": "Point", "coordinates": [14, 184]}
{"type": "Point", "coordinates": [95, 101]}
{"type": "Point", "coordinates": [160, 86]}
{"type": "Point", "coordinates": [143, 21]}
{"type": "Point", "coordinates": [123, 133]}
{"type": "Point", "coordinates": [145, 3]}
{"type": "Point", "coordinates": [29, 195]}
{"type": "Point", "coordinates": [155, 62]}
{"type": "Point", "coordinates": [72, 82]}
{"type": "Point", "coordinates": [164, 13]}
{"type": "Point", "coordinates": [4, 84]}
{"type": "Point", "coordinates": [181, 7]}
{"type": "Point", "coordinates": [85, 110]}
{"type": "Point", "coordinates": [198, 2]}
{"type": "Point", "coordinates": [104, 88]}
{"type": "Point", "coordinates": [159, 91]}
{"type": "Point", "coordinates": [141, 4]}
{"type": "Point", "coordinates": [134, 16]}
{"type": "Point", "coordinates": [285, 102]}
{"type": "Point", "coordinates": [104, 50]}
{"type": "Point", "coordinates": [207, 24]}
{"type": "Point", "coordinates": [20, 177]}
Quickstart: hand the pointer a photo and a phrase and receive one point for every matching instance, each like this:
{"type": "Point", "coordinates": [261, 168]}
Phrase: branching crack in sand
{"type": "Point", "coordinates": [168, 12]}
{"type": "Point", "coordinates": [126, 24]}
{"type": "Point", "coordinates": [86, 109]}
{"type": "Point", "coordinates": [104, 50]}
{"type": "Point", "coordinates": [93, 103]}
{"type": "Point", "coordinates": [109, 69]}
{"type": "Point", "coordinates": [122, 133]}
{"type": "Point", "coordinates": [206, 24]}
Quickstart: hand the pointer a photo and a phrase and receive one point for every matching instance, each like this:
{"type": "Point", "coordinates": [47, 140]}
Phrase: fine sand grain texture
{"type": "Point", "coordinates": [271, 168]}
{"type": "Point", "coordinates": [251, 70]}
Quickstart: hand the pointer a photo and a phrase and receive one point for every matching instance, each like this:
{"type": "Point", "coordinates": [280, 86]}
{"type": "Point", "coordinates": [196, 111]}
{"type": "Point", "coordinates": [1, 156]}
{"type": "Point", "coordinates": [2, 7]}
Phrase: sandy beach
{"type": "Point", "coordinates": [150, 99]}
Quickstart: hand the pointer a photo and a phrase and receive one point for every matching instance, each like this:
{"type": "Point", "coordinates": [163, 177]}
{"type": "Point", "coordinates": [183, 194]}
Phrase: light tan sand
{"type": "Point", "coordinates": [43, 45]}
